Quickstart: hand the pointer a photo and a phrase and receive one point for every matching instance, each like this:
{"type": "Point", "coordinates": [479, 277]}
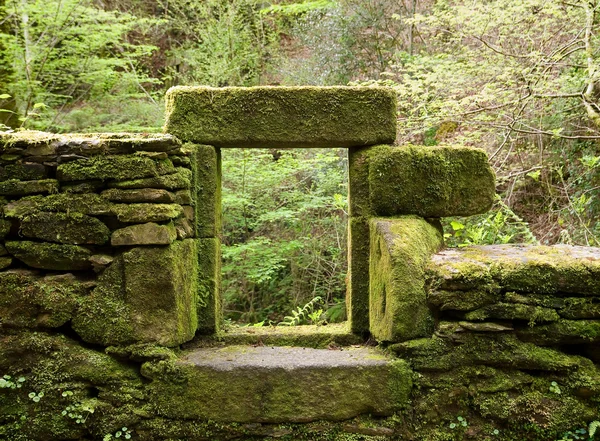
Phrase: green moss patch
{"type": "Point", "coordinates": [357, 289]}
{"type": "Point", "coordinates": [209, 302]}
{"type": "Point", "coordinates": [206, 195]}
{"type": "Point", "coordinates": [264, 384]}
{"type": "Point", "coordinates": [15, 187]}
{"type": "Point", "coordinates": [400, 250]}
{"type": "Point", "coordinates": [142, 213]}
{"type": "Point", "coordinates": [68, 228]}
{"type": "Point", "coordinates": [153, 195]}
{"type": "Point", "coordinates": [90, 204]}
{"type": "Point", "coordinates": [50, 256]}
{"type": "Point", "coordinates": [28, 171]}
{"type": "Point", "coordinates": [430, 182]}
{"type": "Point", "coordinates": [282, 116]}
{"type": "Point", "coordinates": [181, 179]}
{"type": "Point", "coordinates": [115, 167]}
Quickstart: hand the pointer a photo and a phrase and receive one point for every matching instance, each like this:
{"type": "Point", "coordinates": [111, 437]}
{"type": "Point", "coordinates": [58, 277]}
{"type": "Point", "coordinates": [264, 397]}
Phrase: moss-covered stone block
{"type": "Point", "coordinates": [508, 311]}
{"type": "Point", "coordinates": [28, 300]}
{"type": "Point", "coordinates": [50, 256]}
{"type": "Point", "coordinates": [277, 384]}
{"type": "Point", "coordinates": [144, 234]}
{"type": "Point", "coordinates": [357, 285]}
{"type": "Point", "coordinates": [400, 250]}
{"type": "Point", "coordinates": [89, 204]}
{"type": "Point", "coordinates": [15, 187]}
{"type": "Point", "coordinates": [447, 300]}
{"type": "Point", "coordinates": [282, 116]}
{"type": "Point", "coordinates": [359, 201]}
{"type": "Point", "coordinates": [147, 295]}
{"type": "Point", "coordinates": [116, 167]}
{"type": "Point", "coordinates": [153, 195]}
{"type": "Point", "coordinates": [430, 182]}
{"type": "Point", "coordinates": [209, 306]}
{"type": "Point", "coordinates": [563, 332]}
{"type": "Point", "coordinates": [26, 171]}
{"type": "Point", "coordinates": [5, 226]}
{"type": "Point", "coordinates": [206, 194]}
{"type": "Point", "coordinates": [552, 270]}
{"type": "Point", "coordinates": [143, 213]}
{"type": "Point", "coordinates": [179, 180]}
{"type": "Point", "coordinates": [68, 228]}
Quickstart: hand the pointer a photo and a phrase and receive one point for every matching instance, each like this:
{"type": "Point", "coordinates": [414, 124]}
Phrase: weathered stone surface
{"type": "Point", "coordinates": [90, 204]}
{"type": "Point", "coordinates": [101, 261]}
{"type": "Point", "coordinates": [282, 116]}
{"type": "Point", "coordinates": [144, 234]}
{"type": "Point", "coordinates": [275, 384]}
{"type": "Point", "coordinates": [357, 289]}
{"type": "Point", "coordinates": [3, 251]}
{"type": "Point", "coordinates": [206, 186]}
{"type": "Point", "coordinates": [5, 262]}
{"type": "Point", "coordinates": [508, 311]}
{"type": "Point", "coordinates": [209, 302]}
{"type": "Point", "coordinates": [461, 300]}
{"type": "Point", "coordinates": [115, 167]}
{"type": "Point", "coordinates": [26, 171]}
{"type": "Point", "coordinates": [5, 226]}
{"type": "Point", "coordinates": [27, 300]}
{"type": "Point", "coordinates": [181, 179]}
{"type": "Point", "coordinates": [50, 256]}
{"type": "Point", "coordinates": [14, 187]}
{"type": "Point", "coordinates": [82, 187]}
{"type": "Point", "coordinates": [139, 195]}
{"type": "Point", "coordinates": [557, 270]}
{"type": "Point", "coordinates": [74, 228]}
{"type": "Point", "coordinates": [563, 332]}
{"type": "Point", "coordinates": [184, 228]}
{"type": "Point", "coordinates": [485, 327]}
{"type": "Point", "coordinates": [498, 349]}
{"type": "Point", "coordinates": [400, 250]}
{"type": "Point", "coordinates": [34, 143]}
{"type": "Point", "coordinates": [430, 182]}
{"type": "Point", "coordinates": [142, 213]}
{"type": "Point", "coordinates": [183, 197]}
{"type": "Point", "coordinates": [147, 295]}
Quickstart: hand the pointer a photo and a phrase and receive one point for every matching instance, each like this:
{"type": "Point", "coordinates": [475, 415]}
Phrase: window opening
{"type": "Point", "coordinates": [284, 245]}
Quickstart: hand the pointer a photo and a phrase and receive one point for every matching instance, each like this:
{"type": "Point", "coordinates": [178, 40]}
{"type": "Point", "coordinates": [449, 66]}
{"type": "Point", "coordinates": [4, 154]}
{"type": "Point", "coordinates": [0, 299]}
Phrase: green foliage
{"type": "Point", "coordinates": [124, 433]}
{"type": "Point", "coordinates": [303, 314]}
{"type": "Point", "coordinates": [499, 226]}
{"type": "Point", "coordinates": [7, 382]}
{"type": "Point", "coordinates": [284, 232]}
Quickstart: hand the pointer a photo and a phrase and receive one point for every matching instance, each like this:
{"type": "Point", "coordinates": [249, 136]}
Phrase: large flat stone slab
{"type": "Point", "coordinates": [282, 116]}
{"type": "Point", "coordinates": [556, 270]}
{"type": "Point", "coordinates": [278, 384]}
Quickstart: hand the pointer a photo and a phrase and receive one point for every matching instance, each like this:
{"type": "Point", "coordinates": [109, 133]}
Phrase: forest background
{"type": "Point", "coordinates": [519, 78]}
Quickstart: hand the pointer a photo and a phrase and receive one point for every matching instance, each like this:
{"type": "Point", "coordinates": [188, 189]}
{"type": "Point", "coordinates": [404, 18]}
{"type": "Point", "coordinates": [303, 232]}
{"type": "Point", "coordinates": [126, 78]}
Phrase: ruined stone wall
{"type": "Point", "coordinates": [110, 303]}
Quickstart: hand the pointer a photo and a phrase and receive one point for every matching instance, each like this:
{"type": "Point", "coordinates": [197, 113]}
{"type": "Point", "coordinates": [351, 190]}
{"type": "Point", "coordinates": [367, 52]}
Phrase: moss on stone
{"type": "Point", "coordinates": [209, 301]}
{"type": "Point", "coordinates": [206, 185]}
{"type": "Point", "coordinates": [181, 179]}
{"type": "Point", "coordinates": [557, 270]}
{"type": "Point", "coordinates": [15, 187]}
{"type": "Point", "coordinates": [89, 204]}
{"type": "Point", "coordinates": [430, 182]}
{"type": "Point", "coordinates": [357, 286]}
{"type": "Point", "coordinates": [508, 311]}
{"type": "Point", "coordinates": [308, 336]}
{"type": "Point", "coordinates": [400, 250]}
{"type": "Point", "coordinates": [27, 171]}
{"type": "Point", "coordinates": [5, 226]}
{"type": "Point", "coordinates": [282, 116]}
{"type": "Point", "coordinates": [445, 300]}
{"type": "Point", "coordinates": [198, 386]}
{"type": "Point", "coordinates": [563, 332]}
{"type": "Point", "coordinates": [117, 167]}
{"type": "Point", "coordinates": [157, 196]}
{"type": "Point", "coordinates": [28, 300]}
{"type": "Point", "coordinates": [142, 213]}
{"type": "Point", "coordinates": [68, 228]}
{"type": "Point", "coordinates": [144, 234]}
{"type": "Point", "coordinates": [147, 295]}
{"type": "Point", "coordinates": [50, 256]}
{"type": "Point", "coordinates": [359, 201]}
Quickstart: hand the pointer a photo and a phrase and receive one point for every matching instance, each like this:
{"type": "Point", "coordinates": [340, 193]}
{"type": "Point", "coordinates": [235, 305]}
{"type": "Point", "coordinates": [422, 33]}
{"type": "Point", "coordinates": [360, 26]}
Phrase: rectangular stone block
{"type": "Point", "coordinates": [280, 117]}
{"type": "Point", "coordinates": [206, 189]}
{"type": "Point", "coordinates": [265, 384]}
{"type": "Point", "coordinates": [209, 307]}
{"type": "Point", "coordinates": [430, 181]}
{"type": "Point", "coordinates": [116, 167]}
{"type": "Point", "coordinates": [357, 288]}
{"type": "Point", "coordinates": [400, 250]}
{"type": "Point", "coordinates": [147, 295]}
{"type": "Point", "coordinates": [359, 201]}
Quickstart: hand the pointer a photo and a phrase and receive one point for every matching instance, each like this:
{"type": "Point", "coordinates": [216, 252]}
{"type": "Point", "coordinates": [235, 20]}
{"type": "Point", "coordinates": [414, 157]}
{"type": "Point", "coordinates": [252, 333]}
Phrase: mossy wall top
{"type": "Point", "coordinates": [98, 231]}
